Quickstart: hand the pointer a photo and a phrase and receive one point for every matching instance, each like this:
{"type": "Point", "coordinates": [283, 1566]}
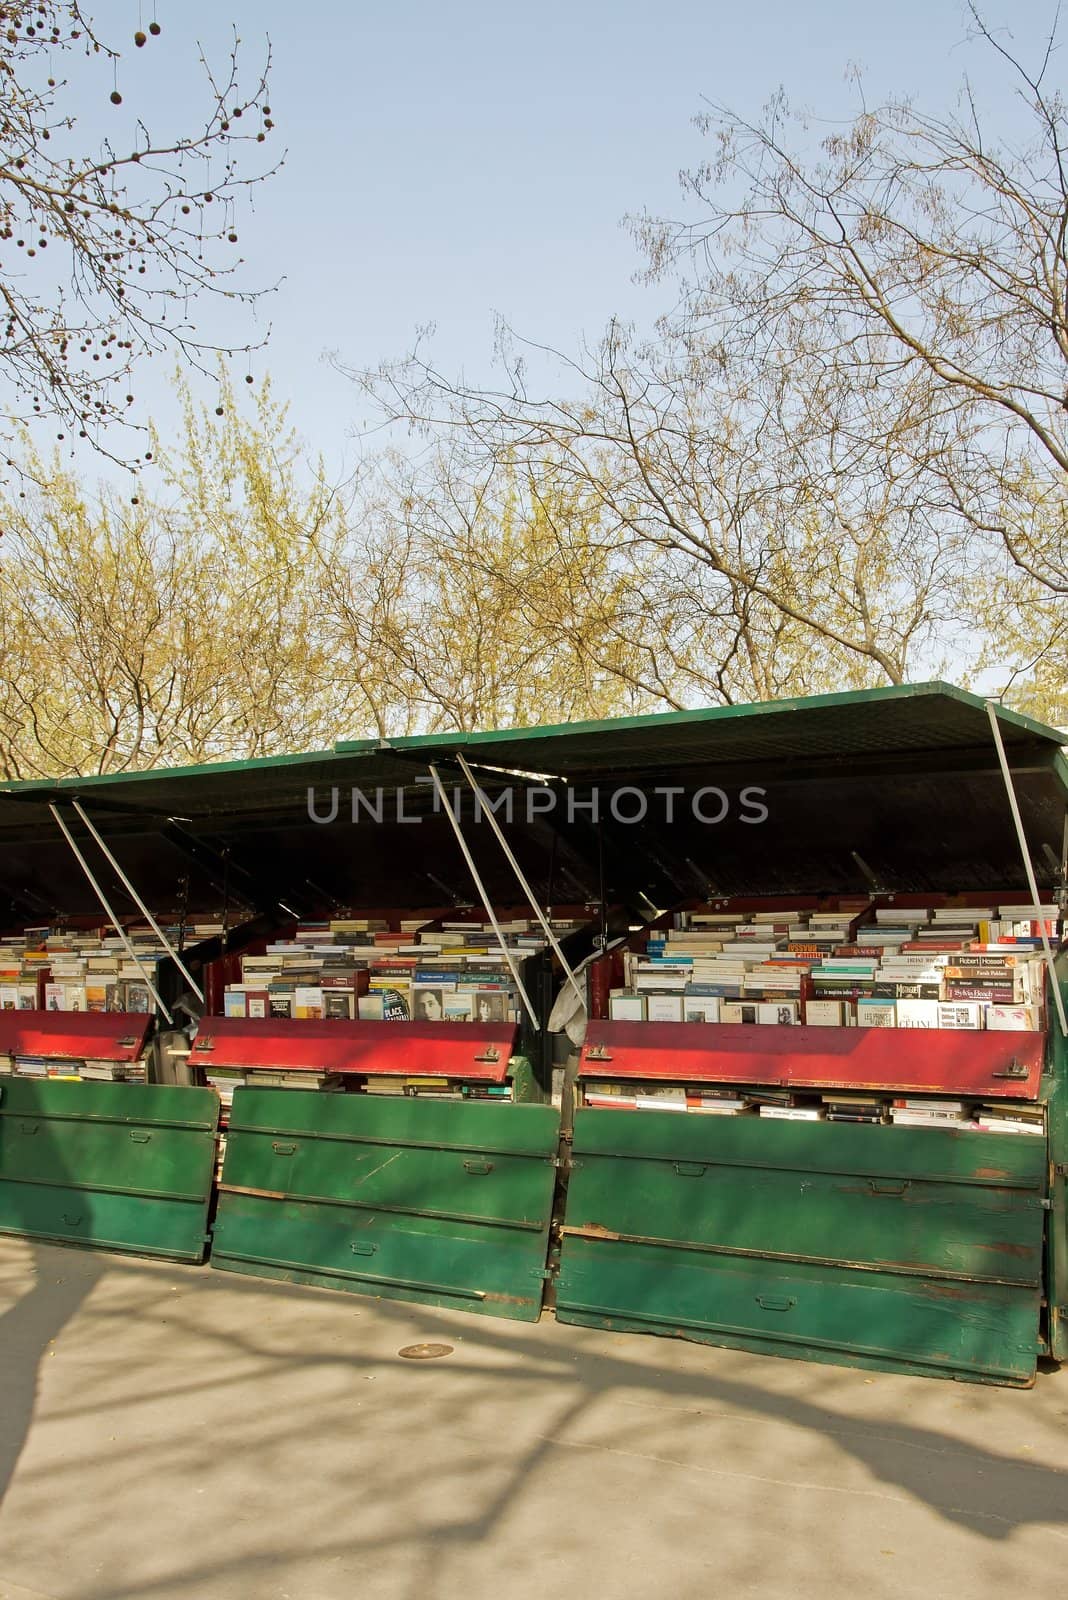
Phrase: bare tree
{"type": "Point", "coordinates": [910, 247]}
{"type": "Point", "coordinates": [842, 458]}
{"type": "Point", "coordinates": [110, 237]}
{"type": "Point", "coordinates": [762, 531]}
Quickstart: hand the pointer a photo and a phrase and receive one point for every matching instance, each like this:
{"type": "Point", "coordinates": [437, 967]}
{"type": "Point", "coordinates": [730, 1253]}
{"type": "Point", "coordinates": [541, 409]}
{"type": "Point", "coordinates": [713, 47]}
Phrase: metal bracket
{"type": "Point", "coordinates": [1013, 1070]}
{"type": "Point", "coordinates": [207, 1043]}
{"type": "Point", "coordinates": [491, 1053]}
{"type": "Point", "coordinates": [598, 1052]}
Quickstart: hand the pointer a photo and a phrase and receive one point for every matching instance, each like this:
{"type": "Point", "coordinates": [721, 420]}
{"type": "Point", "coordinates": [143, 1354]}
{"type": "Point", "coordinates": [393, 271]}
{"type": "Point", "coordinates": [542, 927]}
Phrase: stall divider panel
{"type": "Point", "coordinates": [405, 1199]}
{"type": "Point", "coordinates": [116, 1166]}
{"type": "Point", "coordinates": [915, 1249]}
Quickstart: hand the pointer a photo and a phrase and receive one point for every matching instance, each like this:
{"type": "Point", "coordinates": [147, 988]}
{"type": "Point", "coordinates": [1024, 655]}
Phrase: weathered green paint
{"type": "Point", "coordinates": [118, 1166]}
{"type": "Point", "coordinates": [1055, 1086]}
{"type": "Point", "coordinates": [919, 1249]}
{"type": "Point", "coordinates": [409, 1199]}
{"type": "Point", "coordinates": [526, 1089]}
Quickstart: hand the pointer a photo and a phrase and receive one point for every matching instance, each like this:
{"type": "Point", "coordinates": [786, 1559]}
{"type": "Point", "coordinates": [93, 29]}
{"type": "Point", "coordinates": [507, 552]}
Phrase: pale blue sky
{"type": "Point", "coordinates": [449, 162]}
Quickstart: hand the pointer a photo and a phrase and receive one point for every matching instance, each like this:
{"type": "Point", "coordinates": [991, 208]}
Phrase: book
{"type": "Point", "coordinates": [794, 1113]}
{"type": "Point", "coordinates": [917, 1013]}
{"type": "Point", "coordinates": [664, 1008]}
{"type": "Point", "coordinates": [876, 1013]}
{"type": "Point", "coordinates": [779, 1013]}
{"type": "Point", "coordinates": [991, 994]}
{"type": "Point", "coordinates": [700, 1008]}
{"type": "Point", "coordinates": [923, 1119]}
{"type": "Point", "coordinates": [458, 1007]}
{"type": "Point", "coordinates": [1012, 1019]}
{"type": "Point", "coordinates": [716, 1103]}
{"type": "Point", "coordinates": [850, 1100]}
{"type": "Point", "coordinates": [824, 1013]}
{"type": "Point", "coordinates": [960, 1014]}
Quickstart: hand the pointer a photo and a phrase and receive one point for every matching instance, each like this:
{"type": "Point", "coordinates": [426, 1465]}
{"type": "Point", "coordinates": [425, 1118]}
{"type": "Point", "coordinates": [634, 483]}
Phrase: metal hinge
{"type": "Point", "coordinates": [1013, 1070]}
{"type": "Point", "coordinates": [1060, 1169]}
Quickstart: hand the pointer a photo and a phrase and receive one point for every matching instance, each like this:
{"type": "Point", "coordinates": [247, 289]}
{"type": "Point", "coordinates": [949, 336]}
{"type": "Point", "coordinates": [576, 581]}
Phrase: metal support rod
{"type": "Point", "coordinates": [523, 884]}
{"type": "Point", "coordinates": [1058, 998]}
{"type": "Point", "coordinates": [145, 912]}
{"type": "Point", "coordinates": [112, 918]}
{"type": "Point", "coordinates": [480, 886]}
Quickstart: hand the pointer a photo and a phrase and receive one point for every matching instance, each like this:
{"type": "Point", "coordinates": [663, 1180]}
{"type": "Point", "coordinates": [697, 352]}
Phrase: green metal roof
{"type": "Point", "coordinates": [895, 762]}
{"type": "Point", "coordinates": [894, 721]}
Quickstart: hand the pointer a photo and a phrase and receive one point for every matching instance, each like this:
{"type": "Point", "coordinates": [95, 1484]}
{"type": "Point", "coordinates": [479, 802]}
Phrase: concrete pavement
{"type": "Point", "coordinates": [169, 1433]}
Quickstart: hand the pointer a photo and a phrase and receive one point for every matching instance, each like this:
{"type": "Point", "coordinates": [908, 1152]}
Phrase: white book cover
{"type": "Point", "coordinates": [917, 1013]}
{"type": "Point", "coordinates": [823, 1014]}
{"type": "Point", "coordinates": [793, 1113]}
{"type": "Point", "coordinates": [734, 1011]}
{"type": "Point", "coordinates": [700, 1008]}
{"type": "Point", "coordinates": [908, 1102]}
{"type": "Point", "coordinates": [664, 1008]}
{"type": "Point", "coordinates": [783, 1013]}
{"type": "Point", "coordinates": [923, 1119]}
{"type": "Point", "coordinates": [960, 1014]}
{"type": "Point", "coordinates": [627, 1007]}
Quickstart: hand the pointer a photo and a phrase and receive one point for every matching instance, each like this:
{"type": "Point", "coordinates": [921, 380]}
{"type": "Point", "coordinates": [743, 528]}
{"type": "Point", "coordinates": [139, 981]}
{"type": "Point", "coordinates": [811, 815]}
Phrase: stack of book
{"type": "Point", "coordinates": [89, 1070]}
{"type": "Point", "coordinates": [828, 1105]}
{"type": "Point", "coordinates": [923, 968]}
{"type": "Point", "coordinates": [360, 969]}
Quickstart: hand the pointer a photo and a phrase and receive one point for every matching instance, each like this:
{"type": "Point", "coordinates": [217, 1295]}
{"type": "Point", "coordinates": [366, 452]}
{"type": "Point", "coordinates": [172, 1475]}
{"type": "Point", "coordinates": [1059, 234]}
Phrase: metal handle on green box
{"type": "Point", "coordinates": [478, 1169]}
{"type": "Point", "coordinates": [771, 1302]}
{"type": "Point", "coordinates": [689, 1169]}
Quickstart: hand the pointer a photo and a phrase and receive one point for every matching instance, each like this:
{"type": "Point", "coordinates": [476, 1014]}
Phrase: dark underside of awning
{"type": "Point", "coordinates": [895, 789]}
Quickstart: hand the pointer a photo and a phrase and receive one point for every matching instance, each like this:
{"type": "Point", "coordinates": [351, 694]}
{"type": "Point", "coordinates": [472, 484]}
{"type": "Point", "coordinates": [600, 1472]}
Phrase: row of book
{"type": "Point", "coordinates": [224, 1081]}
{"type": "Point", "coordinates": [336, 968]}
{"type": "Point", "coordinates": [86, 970]}
{"type": "Point", "coordinates": [89, 1071]}
{"type": "Point", "coordinates": [452, 972]}
{"type": "Point", "coordinates": [892, 968]}
{"type": "Point", "coordinates": [830, 1105]}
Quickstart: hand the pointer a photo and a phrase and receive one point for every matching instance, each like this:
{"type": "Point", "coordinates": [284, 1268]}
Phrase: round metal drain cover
{"type": "Point", "coordinates": [425, 1352]}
